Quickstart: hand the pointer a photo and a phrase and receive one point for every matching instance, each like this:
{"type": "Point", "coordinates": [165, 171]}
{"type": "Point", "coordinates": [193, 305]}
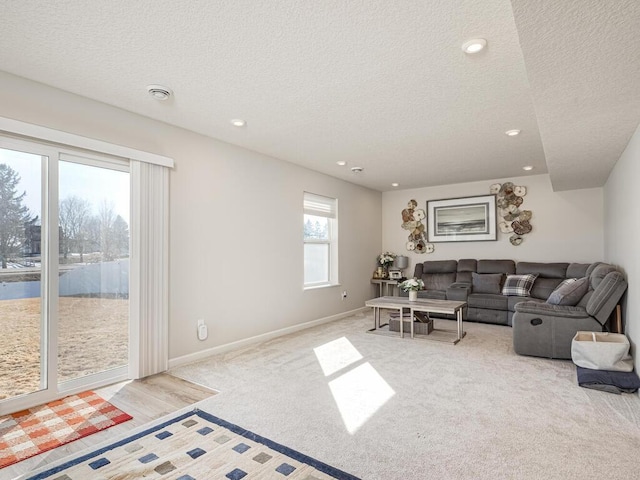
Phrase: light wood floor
{"type": "Point", "coordinates": [145, 400]}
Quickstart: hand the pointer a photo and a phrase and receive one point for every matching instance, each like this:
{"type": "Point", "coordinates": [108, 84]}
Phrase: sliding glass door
{"type": "Point", "coordinates": [64, 272]}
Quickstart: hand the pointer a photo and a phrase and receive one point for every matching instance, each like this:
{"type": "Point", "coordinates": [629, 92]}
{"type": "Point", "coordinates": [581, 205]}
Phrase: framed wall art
{"type": "Point", "coordinates": [468, 219]}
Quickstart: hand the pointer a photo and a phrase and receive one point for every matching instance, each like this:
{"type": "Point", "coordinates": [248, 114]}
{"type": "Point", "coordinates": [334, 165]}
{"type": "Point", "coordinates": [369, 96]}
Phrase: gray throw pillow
{"type": "Point", "coordinates": [487, 283]}
{"type": "Point", "coordinates": [569, 294]}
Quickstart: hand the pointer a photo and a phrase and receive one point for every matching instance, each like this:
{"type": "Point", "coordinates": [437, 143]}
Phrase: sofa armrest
{"type": "Point", "coordinates": [546, 309]}
{"type": "Point", "coordinates": [458, 291]}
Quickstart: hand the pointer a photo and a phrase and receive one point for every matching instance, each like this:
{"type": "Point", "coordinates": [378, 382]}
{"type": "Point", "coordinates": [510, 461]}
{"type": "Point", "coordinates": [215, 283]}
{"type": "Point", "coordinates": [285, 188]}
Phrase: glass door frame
{"type": "Point", "coordinates": [50, 388]}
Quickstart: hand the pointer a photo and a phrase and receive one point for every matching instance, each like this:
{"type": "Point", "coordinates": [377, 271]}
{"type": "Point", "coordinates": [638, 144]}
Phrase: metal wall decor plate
{"type": "Point", "coordinates": [525, 215]}
{"type": "Point", "coordinates": [411, 246]}
{"type": "Point", "coordinates": [495, 188]}
{"type": "Point", "coordinates": [510, 217]}
{"type": "Point", "coordinates": [505, 227]}
{"type": "Point", "coordinates": [515, 240]}
{"type": "Point", "coordinates": [520, 191]}
{"type": "Point", "coordinates": [507, 189]}
{"type": "Point", "coordinates": [521, 228]}
{"type": "Point", "coordinates": [420, 246]}
{"type": "Point", "coordinates": [409, 225]}
{"type": "Point", "coordinates": [419, 214]}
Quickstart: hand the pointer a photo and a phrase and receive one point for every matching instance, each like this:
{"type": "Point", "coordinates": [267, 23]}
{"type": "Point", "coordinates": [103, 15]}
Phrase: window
{"type": "Point", "coordinates": [320, 240]}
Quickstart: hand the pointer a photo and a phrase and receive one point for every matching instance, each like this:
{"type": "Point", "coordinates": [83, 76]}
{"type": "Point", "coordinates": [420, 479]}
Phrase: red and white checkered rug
{"type": "Point", "coordinates": [30, 432]}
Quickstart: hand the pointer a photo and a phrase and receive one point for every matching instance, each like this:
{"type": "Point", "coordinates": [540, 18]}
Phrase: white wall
{"type": "Point", "coordinates": [236, 222]}
{"type": "Point", "coordinates": [623, 232]}
{"type": "Point", "coordinates": [567, 226]}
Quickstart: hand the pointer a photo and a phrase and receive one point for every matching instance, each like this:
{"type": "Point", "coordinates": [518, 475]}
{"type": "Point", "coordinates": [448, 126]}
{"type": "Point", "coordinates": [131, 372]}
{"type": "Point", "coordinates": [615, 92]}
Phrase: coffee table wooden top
{"type": "Point", "coordinates": [422, 304]}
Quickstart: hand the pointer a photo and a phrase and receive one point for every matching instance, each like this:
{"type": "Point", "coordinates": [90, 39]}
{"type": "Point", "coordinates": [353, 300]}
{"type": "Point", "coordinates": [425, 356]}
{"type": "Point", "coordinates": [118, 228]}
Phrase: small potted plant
{"type": "Point", "coordinates": [412, 285]}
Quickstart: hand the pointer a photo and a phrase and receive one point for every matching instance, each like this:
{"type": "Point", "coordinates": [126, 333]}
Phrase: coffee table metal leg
{"type": "Point", "coordinates": [411, 320]}
{"type": "Point", "coordinates": [401, 324]}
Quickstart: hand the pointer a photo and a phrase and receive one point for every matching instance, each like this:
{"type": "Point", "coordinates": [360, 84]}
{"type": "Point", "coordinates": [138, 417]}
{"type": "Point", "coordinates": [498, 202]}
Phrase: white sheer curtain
{"type": "Point", "coordinates": [149, 291]}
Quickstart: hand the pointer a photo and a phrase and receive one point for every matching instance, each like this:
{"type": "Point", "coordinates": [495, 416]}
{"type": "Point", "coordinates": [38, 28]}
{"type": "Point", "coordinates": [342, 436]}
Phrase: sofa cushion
{"type": "Point", "coordinates": [547, 270]}
{"type": "Point", "coordinates": [544, 287]}
{"type": "Point", "coordinates": [465, 267]}
{"type": "Point", "coordinates": [598, 273]}
{"type": "Point", "coordinates": [518, 285]}
{"type": "Point", "coordinates": [432, 294]}
{"type": "Point", "coordinates": [486, 300]}
{"type": "Point", "coordinates": [606, 295]}
{"type": "Point", "coordinates": [438, 281]}
{"type": "Point", "coordinates": [440, 266]}
{"type": "Point", "coordinates": [565, 311]}
{"type": "Point", "coordinates": [513, 301]}
{"type": "Point", "coordinates": [577, 270]}
{"type": "Point", "coordinates": [569, 292]}
{"type": "Point", "coordinates": [496, 266]}
{"type": "Point", "coordinates": [486, 283]}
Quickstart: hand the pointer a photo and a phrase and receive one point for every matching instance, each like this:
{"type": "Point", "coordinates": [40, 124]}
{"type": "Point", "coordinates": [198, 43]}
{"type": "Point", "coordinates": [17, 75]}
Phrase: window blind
{"type": "Point", "coordinates": [319, 205]}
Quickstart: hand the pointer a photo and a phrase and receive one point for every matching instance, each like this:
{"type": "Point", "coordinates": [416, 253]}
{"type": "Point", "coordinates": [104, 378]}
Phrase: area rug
{"type": "Point", "coordinates": [39, 429]}
{"type": "Point", "coordinates": [194, 446]}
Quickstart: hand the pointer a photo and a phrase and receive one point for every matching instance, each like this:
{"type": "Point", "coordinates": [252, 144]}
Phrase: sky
{"type": "Point", "coordinates": [88, 182]}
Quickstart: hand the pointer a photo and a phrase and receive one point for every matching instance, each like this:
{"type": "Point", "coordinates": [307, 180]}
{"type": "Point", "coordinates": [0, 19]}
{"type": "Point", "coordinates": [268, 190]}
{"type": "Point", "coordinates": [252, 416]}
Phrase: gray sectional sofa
{"type": "Point", "coordinates": [539, 328]}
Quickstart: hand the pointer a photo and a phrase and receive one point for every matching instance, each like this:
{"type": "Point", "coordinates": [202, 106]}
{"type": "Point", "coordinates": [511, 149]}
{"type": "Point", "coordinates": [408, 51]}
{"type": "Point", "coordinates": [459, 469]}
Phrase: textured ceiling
{"type": "Point", "coordinates": [379, 84]}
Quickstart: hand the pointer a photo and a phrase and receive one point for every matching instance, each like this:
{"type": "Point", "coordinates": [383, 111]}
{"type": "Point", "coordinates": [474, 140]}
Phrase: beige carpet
{"type": "Point", "coordinates": [390, 408]}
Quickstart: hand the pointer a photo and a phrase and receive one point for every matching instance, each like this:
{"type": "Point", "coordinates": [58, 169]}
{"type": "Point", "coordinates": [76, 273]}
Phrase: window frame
{"type": "Point", "coordinates": [322, 206]}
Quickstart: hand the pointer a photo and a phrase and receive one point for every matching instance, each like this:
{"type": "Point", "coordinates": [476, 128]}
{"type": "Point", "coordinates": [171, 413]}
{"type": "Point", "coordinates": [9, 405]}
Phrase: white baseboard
{"type": "Point", "coordinates": [193, 357]}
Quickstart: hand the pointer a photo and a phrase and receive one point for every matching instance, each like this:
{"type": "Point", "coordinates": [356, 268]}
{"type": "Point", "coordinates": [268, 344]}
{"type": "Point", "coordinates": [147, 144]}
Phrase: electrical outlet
{"type": "Point", "coordinates": [203, 332]}
{"type": "Point", "coordinates": [344, 294]}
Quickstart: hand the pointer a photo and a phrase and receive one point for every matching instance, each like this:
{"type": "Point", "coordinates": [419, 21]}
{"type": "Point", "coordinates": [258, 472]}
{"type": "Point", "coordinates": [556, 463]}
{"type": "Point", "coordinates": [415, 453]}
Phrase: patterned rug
{"type": "Point", "coordinates": [194, 446]}
{"type": "Point", "coordinates": [30, 432]}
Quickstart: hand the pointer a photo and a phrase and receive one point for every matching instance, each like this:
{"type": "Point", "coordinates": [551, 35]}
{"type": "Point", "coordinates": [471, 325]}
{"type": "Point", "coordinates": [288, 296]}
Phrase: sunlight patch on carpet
{"type": "Point", "coordinates": [359, 394]}
{"type": "Point", "coordinates": [336, 355]}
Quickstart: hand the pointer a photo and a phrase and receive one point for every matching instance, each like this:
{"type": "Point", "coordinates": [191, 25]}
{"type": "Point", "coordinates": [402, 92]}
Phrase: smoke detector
{"type": "Point", "coordinates": [356, 169]}
{"type": "Point", "coordinates": [159, 92]}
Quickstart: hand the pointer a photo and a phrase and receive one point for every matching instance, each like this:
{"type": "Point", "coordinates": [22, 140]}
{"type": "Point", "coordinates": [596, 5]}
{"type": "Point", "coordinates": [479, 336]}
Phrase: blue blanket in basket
{"type": "Point", "coordinates": [608, 381]}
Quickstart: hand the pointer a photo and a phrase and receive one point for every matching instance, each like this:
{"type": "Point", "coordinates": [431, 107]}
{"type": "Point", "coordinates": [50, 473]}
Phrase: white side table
{"type": "Point", "coordinates": [386, 286]}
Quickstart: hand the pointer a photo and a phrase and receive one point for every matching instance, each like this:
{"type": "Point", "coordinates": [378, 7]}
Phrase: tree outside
{"type": "Point", "coordinates": [74, 215]}
{"type": "Point", "coordinates": [15, 218]}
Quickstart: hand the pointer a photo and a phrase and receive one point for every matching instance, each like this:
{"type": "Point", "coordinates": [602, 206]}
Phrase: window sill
{"type": "Point", "coordinates": [324, 285]}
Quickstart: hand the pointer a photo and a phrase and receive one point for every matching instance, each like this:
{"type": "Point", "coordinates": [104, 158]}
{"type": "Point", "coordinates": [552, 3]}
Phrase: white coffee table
{"type": "Point", "coordinates": [426, 305]}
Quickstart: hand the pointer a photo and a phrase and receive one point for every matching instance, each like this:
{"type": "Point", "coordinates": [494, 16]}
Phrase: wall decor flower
{"type": "Point", "coordinates": [514, 219]}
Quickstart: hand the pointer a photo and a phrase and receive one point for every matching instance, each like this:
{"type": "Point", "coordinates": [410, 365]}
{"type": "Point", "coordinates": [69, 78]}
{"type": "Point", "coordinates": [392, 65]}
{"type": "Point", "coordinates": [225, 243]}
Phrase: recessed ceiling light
{"type": "Point", "coordinates": [394, 184]}
{"type": "Point", "coordinates": [527, 168]}
{"type": "Point", "coordinates": [342, 163]}
{"type": "Point", "coordinates": [238, 122]}
{"type": "Point", "coordinates": [512, 133]}
{"type": "Point", "coordinates": [356, 169]}
{"type": "Point", "coordinates": [474, 45]}
{"type": "Point", "coordinates": [159, 92]}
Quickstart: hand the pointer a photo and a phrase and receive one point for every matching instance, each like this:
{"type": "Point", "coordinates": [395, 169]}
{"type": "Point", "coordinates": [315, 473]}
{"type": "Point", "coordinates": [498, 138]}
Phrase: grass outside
{"type": "Point", "coordinates": [93, 337]}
